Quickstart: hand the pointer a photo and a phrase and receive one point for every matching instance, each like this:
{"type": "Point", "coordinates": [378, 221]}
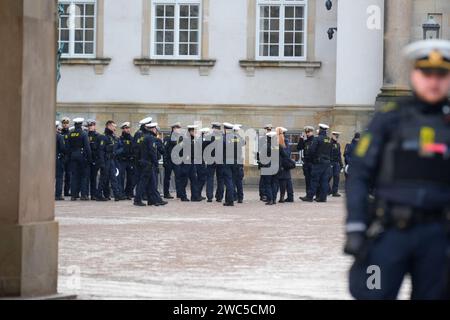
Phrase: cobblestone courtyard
{"type": "Point", "coordinates": [203, 250]}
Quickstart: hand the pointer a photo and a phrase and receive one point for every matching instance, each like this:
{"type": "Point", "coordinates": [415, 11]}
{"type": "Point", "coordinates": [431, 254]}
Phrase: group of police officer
{"type": "Point", "coordinates": [90, 165]}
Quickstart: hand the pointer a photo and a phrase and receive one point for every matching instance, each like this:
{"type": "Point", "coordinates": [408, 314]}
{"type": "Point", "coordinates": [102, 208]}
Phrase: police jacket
{"type": "Point", "coordinates": [405, 157]}
{"type": "Point", "coordinates": [336, 154]}
{"type": "Point", "coordinates": [94, 142]}
{"type": "Point", "coordinates": [78, 145]}
{"type": "Point", "coordinates": [60, 147]}
{"type": "Point", "coordinates": [149, 150]}
{"type": "Point", "coordinates": [305, 146]}
{"type": "Point", "coordinates": [169, 143]}
{"type": "Point", "coordinates": [321, 149]}
{"type": "Point", "coordinates": [125, 149]}
{"type": "Point", "coordinates": [108, 146]}
{"type": "Point", "coordinates": [348, 153]}
{"type": "Point", "coordinates": [285, 153]}
{"type": "Point", "coordinates": [137, 140]}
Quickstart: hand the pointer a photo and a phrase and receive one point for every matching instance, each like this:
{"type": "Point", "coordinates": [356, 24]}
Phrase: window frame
{"type": "Point", "coordinates": [72, 54]}
{"type": "Point", "coordinates": [282, 4]}
{"type": "Point", "coordinates": [176, 55]}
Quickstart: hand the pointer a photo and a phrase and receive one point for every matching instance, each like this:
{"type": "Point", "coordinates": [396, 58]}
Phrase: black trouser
{"type": "Point", "coordinates": [93, 180]}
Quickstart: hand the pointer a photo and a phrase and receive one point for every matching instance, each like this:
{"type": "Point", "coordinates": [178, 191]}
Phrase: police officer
{"type": "Point", "coordinates": [126, 161]}
{"type": "Point", "coordinates": [148, 160]}
{"type": "Point", "coordinates": [336, 165]}
{"type": "Point", "coordinates": [94, 141]}
{"type": "Point", "coordinates": [321, 168]}
{"type": "Point", "coordinates": [229, 162]}
{"type": "Point", "coordinates": [188, 169]}
{"type": "Point", "coordinates": [405, 156]}
{"type": "Point", "coordinates": [263, 141]}
{"type": "Point", "coordinates": [170, 142]}
{"type": "Point", "coordinates": [304, 147]}
{"type": "Point", "coordinates": [214, 145]}
{"type": "Point", "coordinates": [137, 140]}
{"type": "Point", "coordinates": [109, 170]}
{"type": "Point", "coordinates": [238, 166]}
{"type": "Point", "coordinates": [79, 152]}
{"type": "Point", "coordinates": [60, 158]}
{"type": "Point", "coordinates": [284, 175]}
{"type": "Point", "coordinates": [270, 168]}
{"type": "Point", "coordinates": [202, 171]}
{"type": "Point", "coordinates": [349, 151]}
{"type": "Point", "coordinates": [65, 122]}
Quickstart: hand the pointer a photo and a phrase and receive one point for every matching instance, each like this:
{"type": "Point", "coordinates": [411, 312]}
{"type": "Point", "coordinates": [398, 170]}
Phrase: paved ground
{"type": "Point", "coordinates": [203, 251]}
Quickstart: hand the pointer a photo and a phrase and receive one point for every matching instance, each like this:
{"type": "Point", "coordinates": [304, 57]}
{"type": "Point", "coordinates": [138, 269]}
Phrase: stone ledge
{"type": "Point", "coordinates": [251, 65]}
{"type": "Point", "coordinates": [204, 65]}
{"type": "Point", "coordinates": [98, 63]}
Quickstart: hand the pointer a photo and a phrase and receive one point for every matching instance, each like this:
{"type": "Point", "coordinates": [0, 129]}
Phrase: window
{"type": "Point", "coordinates": [77, 28]}
{"type": "Point", "coordinates": [281, 29]}
{"type": "Point", "coordinates": [176, 29]}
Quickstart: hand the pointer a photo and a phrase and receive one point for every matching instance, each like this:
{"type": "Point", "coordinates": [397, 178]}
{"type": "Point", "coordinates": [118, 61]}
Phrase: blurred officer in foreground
{"type": "Point", "coordinates": [126, 161]}
{"type": "Point", "coordinates": [336, 165]}
{"type": "Point", "coordinates": [304, 145]}
{"type": "Point", "coordinates": [170, 142]}
{"type": "Point", "coordinates": [349, 151]}
{"type": "Point", "coordinates": [80, 157]}
{"type": "Point", "coordinates": [60, 157]}
{"type": "Point", "coordinates": [65, 123]}
{"type": "Point", "coordinates": [321, 168]}
{"type": "Point", "coordinates": [405, 156]}
{"type": "Point", "coordinates": [94, 140]}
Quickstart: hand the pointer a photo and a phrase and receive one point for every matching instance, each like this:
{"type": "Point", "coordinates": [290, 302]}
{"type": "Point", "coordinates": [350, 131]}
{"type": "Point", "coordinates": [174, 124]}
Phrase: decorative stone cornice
{"type": "Point", "coordinates": [251, 65]}
{"type": "Point", "coordinates": [204, 65]}
{"type": "Point", "coordinates": [97, 63]}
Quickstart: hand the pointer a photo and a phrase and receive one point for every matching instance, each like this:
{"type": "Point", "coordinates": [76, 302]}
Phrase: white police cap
{"type": "Point", "coordinates": [228, 125]}
{"type": "Point", "coordinates": [78, 120]}
{"type": "Point", "coordinates": [151, 125]}
{"type": "Point", "coordinates": [336, 133]}
{"type": "Point", "coordinates": [91, 122]}
{"type": "Point", "coordinates": [192, 127]}
{"type": "Point", "coordinates": [146, 121]}
{"type": "Point", "coordinates": [237, 127]}
{"type": "Point", "coordinates": [324, 126]}
{"type": "Point", "coordinates": [429, 54]}
{"type": "Point", "coordinates": [309, 128]}
{"type": "Point", "coordinates": [125, 125]}
{"type": "Point", "coordinates": [65, 119]}
{"type": "Point", "coordinates": [271, 134]}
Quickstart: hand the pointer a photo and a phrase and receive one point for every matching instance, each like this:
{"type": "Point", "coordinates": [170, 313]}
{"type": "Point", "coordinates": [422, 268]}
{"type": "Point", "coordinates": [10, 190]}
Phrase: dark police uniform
{"type": "Point", "coordinates": [270, 179]}
{"type": "Point", "coordinates": [189, 173]}
{"type": "Point", "coordinates": [214, 169]}
{"type": "Point", "coordinates": [238, 167]}
{"type": "Point", "coordinates": [305, 146]}
{"type": "Point", "coordinates": [126, 159]}
{"type": "Point", "coordinates": [201, 169]}
{"type": "Point", "coordinates": [229, 163]}
{"type": "Point", "coordinates": [284, 176]}
{"type": "Point", "coordinates": [336, 167]}
{"type": "Point", "coordinates": [148, 160]}
{"type": "Point", "coordinates": [321, 168]}
{"type": "Point", "coordinates": [349, 151]}
{"type": "Point", "coordinates": [108, 167]}
{"type": "Point", "coordinates": [65, 133]}
{"type": "Point", "coordinates": [60, 160]}
{"type": "Point", "coordinates": [94, 142]}
{"type": "Point", "coordinates": [404, 159]}
{"type": "Point", "coordinates": [169, 143]}
{"type": "Point", "coordinates": [137, 140]}
{"type": "Point", "coordinates": [403, 156]}
{"type": "Point", "coordinates": [80, 157]}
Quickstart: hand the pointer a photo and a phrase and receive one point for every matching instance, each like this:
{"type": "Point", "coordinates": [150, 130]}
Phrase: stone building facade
{"type": "Point", "coordinates": [229, 77]}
